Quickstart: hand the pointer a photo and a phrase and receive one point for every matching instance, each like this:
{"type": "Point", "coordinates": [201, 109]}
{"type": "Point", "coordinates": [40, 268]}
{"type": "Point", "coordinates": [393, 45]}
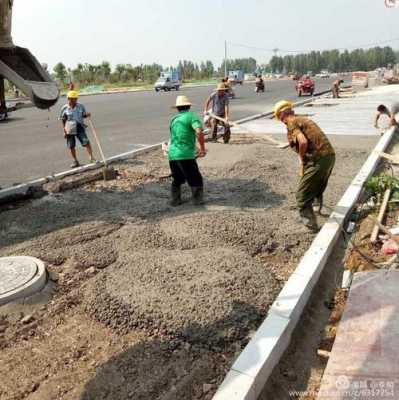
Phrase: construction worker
{"type": "Point", "coordinates": [391, 114]}
{"type": "Point", "coordinates": [185, 130]}
{"type": "Point", "coordinates": [259, 84]}
{"type": "Point", "coordinates": [72, 117]}
{"type": "Point", "coordinates": [335, 88]}
{"type": "Point", "coordinates": [220, 108]}
{"type": "Point", "coordinates": [317, 159]}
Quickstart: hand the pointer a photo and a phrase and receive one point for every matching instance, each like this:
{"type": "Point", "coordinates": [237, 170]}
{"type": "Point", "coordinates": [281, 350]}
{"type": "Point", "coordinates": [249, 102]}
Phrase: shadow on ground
{"type": "Point", "coordinates": [148, 202]}
{"type": "Point", "coordinates": [170, 369]}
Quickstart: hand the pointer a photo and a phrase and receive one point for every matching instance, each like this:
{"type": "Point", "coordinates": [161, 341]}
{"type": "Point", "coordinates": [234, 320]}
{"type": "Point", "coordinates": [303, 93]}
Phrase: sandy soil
{"type": "Point", "coordinates": [154, 302]}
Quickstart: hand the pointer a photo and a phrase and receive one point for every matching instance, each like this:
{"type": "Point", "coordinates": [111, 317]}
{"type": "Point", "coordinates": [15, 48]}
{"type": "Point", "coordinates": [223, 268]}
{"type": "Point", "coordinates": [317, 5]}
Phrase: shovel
{"type": "Point", "coordinates": [280, 145]}
{"type": "Point", "coordinates": [108, 172]}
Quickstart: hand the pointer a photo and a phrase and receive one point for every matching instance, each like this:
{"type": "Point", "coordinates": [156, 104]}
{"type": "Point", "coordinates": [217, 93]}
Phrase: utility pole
{"type": "Point", "coordinates": [275, 51]}
{"type": "Point", "coordinates": [225, 58]}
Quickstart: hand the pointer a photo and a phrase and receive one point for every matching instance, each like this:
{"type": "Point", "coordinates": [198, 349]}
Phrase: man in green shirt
{"type": "Point", "coordinates": [185, 130]}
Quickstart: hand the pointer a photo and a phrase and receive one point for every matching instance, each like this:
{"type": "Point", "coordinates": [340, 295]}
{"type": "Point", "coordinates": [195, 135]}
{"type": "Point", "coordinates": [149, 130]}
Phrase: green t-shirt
{"type": "Point", "coordinates": [183, 136]}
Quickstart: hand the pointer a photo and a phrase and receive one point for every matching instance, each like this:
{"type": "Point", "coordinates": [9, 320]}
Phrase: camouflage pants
{"type": "Point", "coordinates": [335, 92]}
{"type": "Point", "coordinates": [314, 181]}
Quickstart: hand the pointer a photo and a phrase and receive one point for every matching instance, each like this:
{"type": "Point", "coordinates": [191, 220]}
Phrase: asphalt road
{"type": "Point", "coordinates": [32, 143]}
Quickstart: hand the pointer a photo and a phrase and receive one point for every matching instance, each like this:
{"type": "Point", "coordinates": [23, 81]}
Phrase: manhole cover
{"type": "Point", "coordinates": [20, 277]}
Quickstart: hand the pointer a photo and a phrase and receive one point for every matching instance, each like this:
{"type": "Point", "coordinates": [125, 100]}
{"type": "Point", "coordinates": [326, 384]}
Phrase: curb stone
{"type": "Point", "coordinates": [256, 362]}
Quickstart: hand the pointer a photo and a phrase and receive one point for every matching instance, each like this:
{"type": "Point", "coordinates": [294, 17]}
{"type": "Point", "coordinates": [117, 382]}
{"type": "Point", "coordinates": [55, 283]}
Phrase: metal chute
{"type": "Point", "coordinates": [21, 68]}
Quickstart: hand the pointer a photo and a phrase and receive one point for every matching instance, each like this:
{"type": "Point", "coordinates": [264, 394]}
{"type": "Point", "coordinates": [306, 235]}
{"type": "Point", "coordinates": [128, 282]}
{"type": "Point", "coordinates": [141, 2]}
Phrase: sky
{"type": "Point", "coordinates": [165, 31]}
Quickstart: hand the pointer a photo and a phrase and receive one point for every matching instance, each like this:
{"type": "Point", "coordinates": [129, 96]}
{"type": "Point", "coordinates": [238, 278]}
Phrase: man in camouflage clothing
{"type": "Point", "coordinates": [317, 158]}
{"type": "Point", "coordinates": [336, 87]}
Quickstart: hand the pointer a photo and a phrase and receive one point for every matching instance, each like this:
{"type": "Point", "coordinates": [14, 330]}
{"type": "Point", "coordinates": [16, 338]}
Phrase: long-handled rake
{"type": "Point", "coordinates": [278, 143]}
{"type": "Point", "coordinates": [109, 172]}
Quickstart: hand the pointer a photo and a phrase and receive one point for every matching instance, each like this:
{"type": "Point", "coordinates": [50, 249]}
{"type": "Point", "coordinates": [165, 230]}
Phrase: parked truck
{"type": "Point", "coordinates": [236, 77]}
{"type": "Point", "coordinates": [167, 81]}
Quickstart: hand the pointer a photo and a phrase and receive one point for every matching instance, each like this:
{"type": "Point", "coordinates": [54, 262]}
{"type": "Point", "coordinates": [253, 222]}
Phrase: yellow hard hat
{"type": "Point", "coordinates": [73, 94]}
{"type": "Point", "coordinates": [281, 106]}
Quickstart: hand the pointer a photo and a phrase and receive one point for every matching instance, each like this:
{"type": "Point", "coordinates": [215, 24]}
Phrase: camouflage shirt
{"type": "Point", "coordinates": [318, 144]}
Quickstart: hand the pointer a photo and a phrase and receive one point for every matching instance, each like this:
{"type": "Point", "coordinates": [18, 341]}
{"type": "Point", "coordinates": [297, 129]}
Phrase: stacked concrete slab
{"type": "Point", "coordinates": [364, 359]}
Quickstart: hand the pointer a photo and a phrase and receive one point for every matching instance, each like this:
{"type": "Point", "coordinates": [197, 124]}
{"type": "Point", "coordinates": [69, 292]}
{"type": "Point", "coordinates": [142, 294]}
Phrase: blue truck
{"type": "Point", "coordinates": [167, 81]}
{"type": "Point", "coordinates": [236, 77]}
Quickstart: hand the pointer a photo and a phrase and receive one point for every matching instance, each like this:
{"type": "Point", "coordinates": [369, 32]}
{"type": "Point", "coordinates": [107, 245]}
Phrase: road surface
{"type": "Point", "coordinates": [32, 143]}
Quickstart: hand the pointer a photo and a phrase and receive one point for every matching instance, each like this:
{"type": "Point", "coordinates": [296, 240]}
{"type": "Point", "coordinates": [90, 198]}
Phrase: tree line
{"type": "Point", "coordinates": [127, 73]}
{"type": "Point", "coordinates": [103, 73]}
{"type": "Point", "coordinates": [315, 61]}
{"type": "Point", "coordinates": [334, 60]}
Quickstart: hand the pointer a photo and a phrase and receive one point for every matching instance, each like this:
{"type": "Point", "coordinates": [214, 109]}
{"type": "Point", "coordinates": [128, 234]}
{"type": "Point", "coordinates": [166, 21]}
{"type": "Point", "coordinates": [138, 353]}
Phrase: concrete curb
{"type": "Point", "coordinates": [271, 113]}
{"type": "Point", "coordinates": [252, 369]}
{"type": "Point", "coordinates": [27, 190]}
{"type": "Point", "coordinates": [36, 284]}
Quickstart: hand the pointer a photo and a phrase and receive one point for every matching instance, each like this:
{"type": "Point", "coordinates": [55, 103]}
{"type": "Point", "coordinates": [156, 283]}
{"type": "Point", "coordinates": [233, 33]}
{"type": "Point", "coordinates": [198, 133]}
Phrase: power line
{"type": "Point", "coordinates": [274, 50]}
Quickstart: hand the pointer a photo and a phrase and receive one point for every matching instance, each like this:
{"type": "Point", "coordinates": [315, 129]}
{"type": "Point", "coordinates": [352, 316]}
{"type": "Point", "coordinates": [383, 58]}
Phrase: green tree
{"type": "Point", "coordinates": [60, 72]}
{"type": "Point", "coordinates": [120, 69]}
{"type": "Point", "coordinates": [105, 69]}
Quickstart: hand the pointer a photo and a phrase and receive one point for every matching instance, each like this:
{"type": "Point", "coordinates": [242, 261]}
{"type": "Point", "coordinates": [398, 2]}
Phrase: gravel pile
{"type": "Point", "coordinates": [188, 294]}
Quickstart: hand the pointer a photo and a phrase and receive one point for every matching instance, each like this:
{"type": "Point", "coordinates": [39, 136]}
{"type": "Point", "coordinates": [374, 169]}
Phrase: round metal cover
{"type": "Point", "coordinates": [16, 272]}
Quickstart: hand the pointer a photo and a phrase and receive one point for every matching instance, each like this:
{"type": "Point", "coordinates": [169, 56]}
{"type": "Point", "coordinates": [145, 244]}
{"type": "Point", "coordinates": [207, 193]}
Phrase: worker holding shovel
{"type": "Point", "coordinates": [220, 107]}
{"type": "Point", "coordinates": [336, 87]}
{"type": "Point", "coordinates": [317, 158]}
{"type": "Point", "coordinates": [185, 130]}
{"type": "Point", "coordinates": [72, 117]}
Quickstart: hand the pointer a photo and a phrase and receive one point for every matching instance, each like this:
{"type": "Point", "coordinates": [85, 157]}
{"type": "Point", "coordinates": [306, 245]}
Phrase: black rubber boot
{"type": "Point", "coordinates": [226, 136]}
{"type": "Point", "coordinates": [198, 195]}
{"type": "Point", "coordinates": [215, 134]}
{"type": "Point", "coordinates": [175, 196]}
{"type": "Point", "coordinates": [309, 219]}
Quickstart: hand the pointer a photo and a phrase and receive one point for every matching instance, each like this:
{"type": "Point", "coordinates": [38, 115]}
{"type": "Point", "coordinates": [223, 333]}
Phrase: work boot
{"type": "Point", "coordinates": [175, 196]}
{"type": "Point", "coordinates": [214, 137]}
{"type": "Point", "coordinates": [309, 219]}
{"type": "Point", "coordinates": [75, 164]}
{"type": "Point", "coordinates": [198, 195]}
{"type": "Point", "coordinates": [318, 204]}
{"type": "Point", "coordinates": [226, 136]}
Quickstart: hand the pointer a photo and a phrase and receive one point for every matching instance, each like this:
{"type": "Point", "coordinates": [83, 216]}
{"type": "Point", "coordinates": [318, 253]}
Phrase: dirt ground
{"type": "Point", "coordinates": [364, 255]}
{"type": "Point", "coordinates": [150, 301]}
